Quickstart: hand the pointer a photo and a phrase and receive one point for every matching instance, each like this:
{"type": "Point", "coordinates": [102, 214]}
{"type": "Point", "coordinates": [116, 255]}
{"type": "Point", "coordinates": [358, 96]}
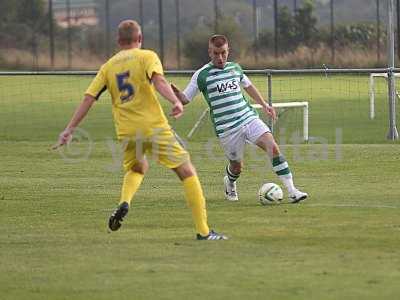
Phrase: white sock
{"type": "Point", "coordinates": [287, 180]}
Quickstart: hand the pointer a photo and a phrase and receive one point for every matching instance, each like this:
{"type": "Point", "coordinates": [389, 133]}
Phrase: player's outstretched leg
{"type": "Point", "coordinates": [281, 167]}
{"type": "Point", "coordinates": [132, 180]}
{"type": "Point", "coordinates": [196, 201]}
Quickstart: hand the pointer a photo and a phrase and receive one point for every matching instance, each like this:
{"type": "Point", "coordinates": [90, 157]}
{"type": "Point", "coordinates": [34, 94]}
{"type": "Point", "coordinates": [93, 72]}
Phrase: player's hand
{"type": "Point", "coordinates": [64, 138]}
{"type": "Point", "coordinates": [177, 110]}
{"type": "Point", "coordinates": [270, 111]}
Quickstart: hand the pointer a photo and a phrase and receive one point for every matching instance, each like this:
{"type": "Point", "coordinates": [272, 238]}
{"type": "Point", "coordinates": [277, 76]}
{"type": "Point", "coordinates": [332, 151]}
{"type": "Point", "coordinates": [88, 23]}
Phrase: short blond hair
{"type": "Point", "coordinates": [218, 40]}
{"type": "Point", "coordinates": [129, 32]}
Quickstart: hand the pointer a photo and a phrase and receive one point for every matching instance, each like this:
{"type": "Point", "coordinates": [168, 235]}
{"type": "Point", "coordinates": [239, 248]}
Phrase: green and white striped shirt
{"type": "Point", "coordinates": [229, 109]}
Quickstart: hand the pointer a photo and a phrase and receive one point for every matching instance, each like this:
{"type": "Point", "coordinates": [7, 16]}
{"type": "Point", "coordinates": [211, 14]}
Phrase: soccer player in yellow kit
{"type": "Point", "coordinates": [131, 76]}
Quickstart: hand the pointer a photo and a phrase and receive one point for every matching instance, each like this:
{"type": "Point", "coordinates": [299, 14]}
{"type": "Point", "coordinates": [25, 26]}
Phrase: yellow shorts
{"type": "Point", "coordinates": [162, 146]}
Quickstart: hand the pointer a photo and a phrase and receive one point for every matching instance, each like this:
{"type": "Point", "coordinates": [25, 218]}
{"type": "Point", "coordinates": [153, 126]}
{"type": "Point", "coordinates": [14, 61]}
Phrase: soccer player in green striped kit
{"type": "Point", "coordinates": [235, 121]}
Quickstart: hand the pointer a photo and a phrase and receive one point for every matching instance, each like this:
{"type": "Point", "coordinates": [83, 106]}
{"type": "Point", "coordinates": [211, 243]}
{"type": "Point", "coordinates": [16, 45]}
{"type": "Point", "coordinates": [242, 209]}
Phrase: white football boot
{"type": "Point", "coordinates": [297, 196]}
{"type": "Point", "coordinates": [230, 190]}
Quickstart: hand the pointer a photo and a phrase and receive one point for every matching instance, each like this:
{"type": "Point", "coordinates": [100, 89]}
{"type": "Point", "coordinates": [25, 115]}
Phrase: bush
{"type": "Point", "coordinates": [196, 42]}
{"type": "Point", "coordinates": [293, 30]}
{"type": "Point", "coordinates": [195, 46]}
{"type": "Point", "coordinates": [19, 20]}
{"type": "Point", "coordinates": [362, 35]}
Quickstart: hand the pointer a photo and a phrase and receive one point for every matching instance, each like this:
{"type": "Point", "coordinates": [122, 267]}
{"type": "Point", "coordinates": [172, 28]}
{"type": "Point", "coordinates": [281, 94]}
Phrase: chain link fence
{"type": "Point", "coordinates": [35, 106]}
{"type": "Point", "coordinates": [80, 34]}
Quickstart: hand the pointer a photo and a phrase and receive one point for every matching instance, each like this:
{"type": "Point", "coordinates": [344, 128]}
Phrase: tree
{"type": "Point", "coordinates": [196, 42]}
{"type": "Point", "coordinates": [305, 24]}
{"type": "Point", "coordinates": [21, 11]}
{"type": "Point", "coordinates": [286, 29]}
{"type": "Point", "coordinates": [195, 46]}
{"type": "Point", "coordinates": [294, 30]}
{"type": "Point", "coordinates": [18, 19]}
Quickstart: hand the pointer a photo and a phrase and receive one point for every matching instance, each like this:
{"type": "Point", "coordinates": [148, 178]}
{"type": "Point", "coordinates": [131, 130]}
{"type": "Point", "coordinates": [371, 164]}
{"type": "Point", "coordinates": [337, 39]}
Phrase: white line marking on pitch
{"type": "Point", "coordinates": [355, 205]}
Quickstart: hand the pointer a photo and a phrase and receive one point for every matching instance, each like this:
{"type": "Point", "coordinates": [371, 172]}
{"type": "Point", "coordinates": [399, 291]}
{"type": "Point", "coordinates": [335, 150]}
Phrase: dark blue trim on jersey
{"type": "Point", "coordinates": [101, 92]}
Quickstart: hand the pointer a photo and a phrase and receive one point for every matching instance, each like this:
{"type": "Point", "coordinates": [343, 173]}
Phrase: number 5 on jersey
{"type": "Point", "coordinates": [127, 90]}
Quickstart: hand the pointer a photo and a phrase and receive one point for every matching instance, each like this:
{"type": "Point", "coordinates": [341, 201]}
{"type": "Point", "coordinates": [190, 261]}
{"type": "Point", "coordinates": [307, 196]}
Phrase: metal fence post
{"type": "Point", "coordinates": [255, 30]}
{"type": "Point", "coordinates": [398, 27]}
{"type": "Point", "coordinates": [107, 16]}
{"type": "Point", "coordinates": [51, 33]}
{"type": "Point", "coordinates": [161, 30]}
{"type": "Point", "coordinates": [276, 30]}
{"type": "Point", "coordinates": [141, 18]}
{"type": "Point", "coordinates": [178, 33]}
{"type": "Point", "coordinates": [34, 43]}
{"type": "Point", "coordinates": [332, 34]}
{"type": "Point", "coordinates": [269, 84]}
{"type": "Point", "coordinates": [393, 133]}
{"type": "Point", "coordinates": [378, 33]}
{"type": "Point", "coordinates": [69, 33]}
{"type": "Point", "coordinates": [216, 10]}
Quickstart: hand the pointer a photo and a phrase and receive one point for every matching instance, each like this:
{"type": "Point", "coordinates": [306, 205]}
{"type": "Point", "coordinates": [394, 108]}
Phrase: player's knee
{"type": "Point", "coordinates": [236, 168]}
{"type": "Point", "coordinates": [185, 170]}
{"type": "Point", "coordinates": [275, 149]}
{"type": "Point", "coordinates": [188, 170]}
{"type": "Point", "coordinates": [272, 148]}
{"type": "Point", "coordinates": [141, 167]}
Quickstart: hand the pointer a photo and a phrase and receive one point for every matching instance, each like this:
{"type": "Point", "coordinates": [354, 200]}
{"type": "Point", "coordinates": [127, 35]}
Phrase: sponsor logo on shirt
{"type": "Point", "coordinates": [228, 86]}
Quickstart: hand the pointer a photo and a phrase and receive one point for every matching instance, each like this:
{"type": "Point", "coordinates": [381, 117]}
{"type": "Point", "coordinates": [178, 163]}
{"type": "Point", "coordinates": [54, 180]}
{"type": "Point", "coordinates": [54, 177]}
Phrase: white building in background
{"type": "Point", "coordinates": [81, 12]}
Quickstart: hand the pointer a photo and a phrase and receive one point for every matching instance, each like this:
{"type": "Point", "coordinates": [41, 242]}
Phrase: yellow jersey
{"type": "Point", "coordinates": [135, 106]}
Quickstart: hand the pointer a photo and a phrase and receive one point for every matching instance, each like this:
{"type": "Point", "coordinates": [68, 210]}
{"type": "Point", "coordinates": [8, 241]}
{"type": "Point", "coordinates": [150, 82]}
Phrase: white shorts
{"type": "Point", "coordinates": [234, 144]}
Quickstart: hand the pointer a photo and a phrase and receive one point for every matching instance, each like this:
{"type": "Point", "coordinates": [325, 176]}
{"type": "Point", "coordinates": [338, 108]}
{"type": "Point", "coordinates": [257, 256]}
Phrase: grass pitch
{"type": "Point", "coordinates": [341, 244]}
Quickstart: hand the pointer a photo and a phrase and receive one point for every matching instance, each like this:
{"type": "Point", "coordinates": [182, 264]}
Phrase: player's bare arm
{"type": "Point", "coordinates": [77, 117]}
{"type": "Point", "coordinates": [255, 94]}
{"type": "Point", "coordinates": [178, 93]}
{"type": "Point", "coordinates": [164, 88]}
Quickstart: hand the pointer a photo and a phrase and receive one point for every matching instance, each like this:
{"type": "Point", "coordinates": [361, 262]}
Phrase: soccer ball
{"type": "Point", "coordinates": [270, 193]}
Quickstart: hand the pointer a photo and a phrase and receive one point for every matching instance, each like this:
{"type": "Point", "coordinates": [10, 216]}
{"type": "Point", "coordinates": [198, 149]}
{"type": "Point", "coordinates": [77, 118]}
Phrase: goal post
{"type": "Point", "coordinates": [372, 91]}
{"type": "Point", "coordinates": [279, 105]}
{"type": "Point", "coordinates": [294, 104]}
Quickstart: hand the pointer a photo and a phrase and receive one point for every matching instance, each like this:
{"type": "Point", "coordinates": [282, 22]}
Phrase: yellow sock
{"type": "Point", "coordinates": [132, 181]}
{"type": "Point", "coordinates": [196, 201]}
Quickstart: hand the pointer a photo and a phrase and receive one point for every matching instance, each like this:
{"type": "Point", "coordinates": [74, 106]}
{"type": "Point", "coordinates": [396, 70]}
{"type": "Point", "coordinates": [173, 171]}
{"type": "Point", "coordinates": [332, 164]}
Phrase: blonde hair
{"type": "Point", "coordinates": [129, 32]}
{"type": "Point", "coordinates": [218, 40]}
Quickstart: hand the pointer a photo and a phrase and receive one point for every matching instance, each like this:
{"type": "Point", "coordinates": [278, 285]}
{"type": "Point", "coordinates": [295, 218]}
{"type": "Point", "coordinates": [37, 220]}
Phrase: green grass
{"type": "Point", "coordinates": [341, 244]}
